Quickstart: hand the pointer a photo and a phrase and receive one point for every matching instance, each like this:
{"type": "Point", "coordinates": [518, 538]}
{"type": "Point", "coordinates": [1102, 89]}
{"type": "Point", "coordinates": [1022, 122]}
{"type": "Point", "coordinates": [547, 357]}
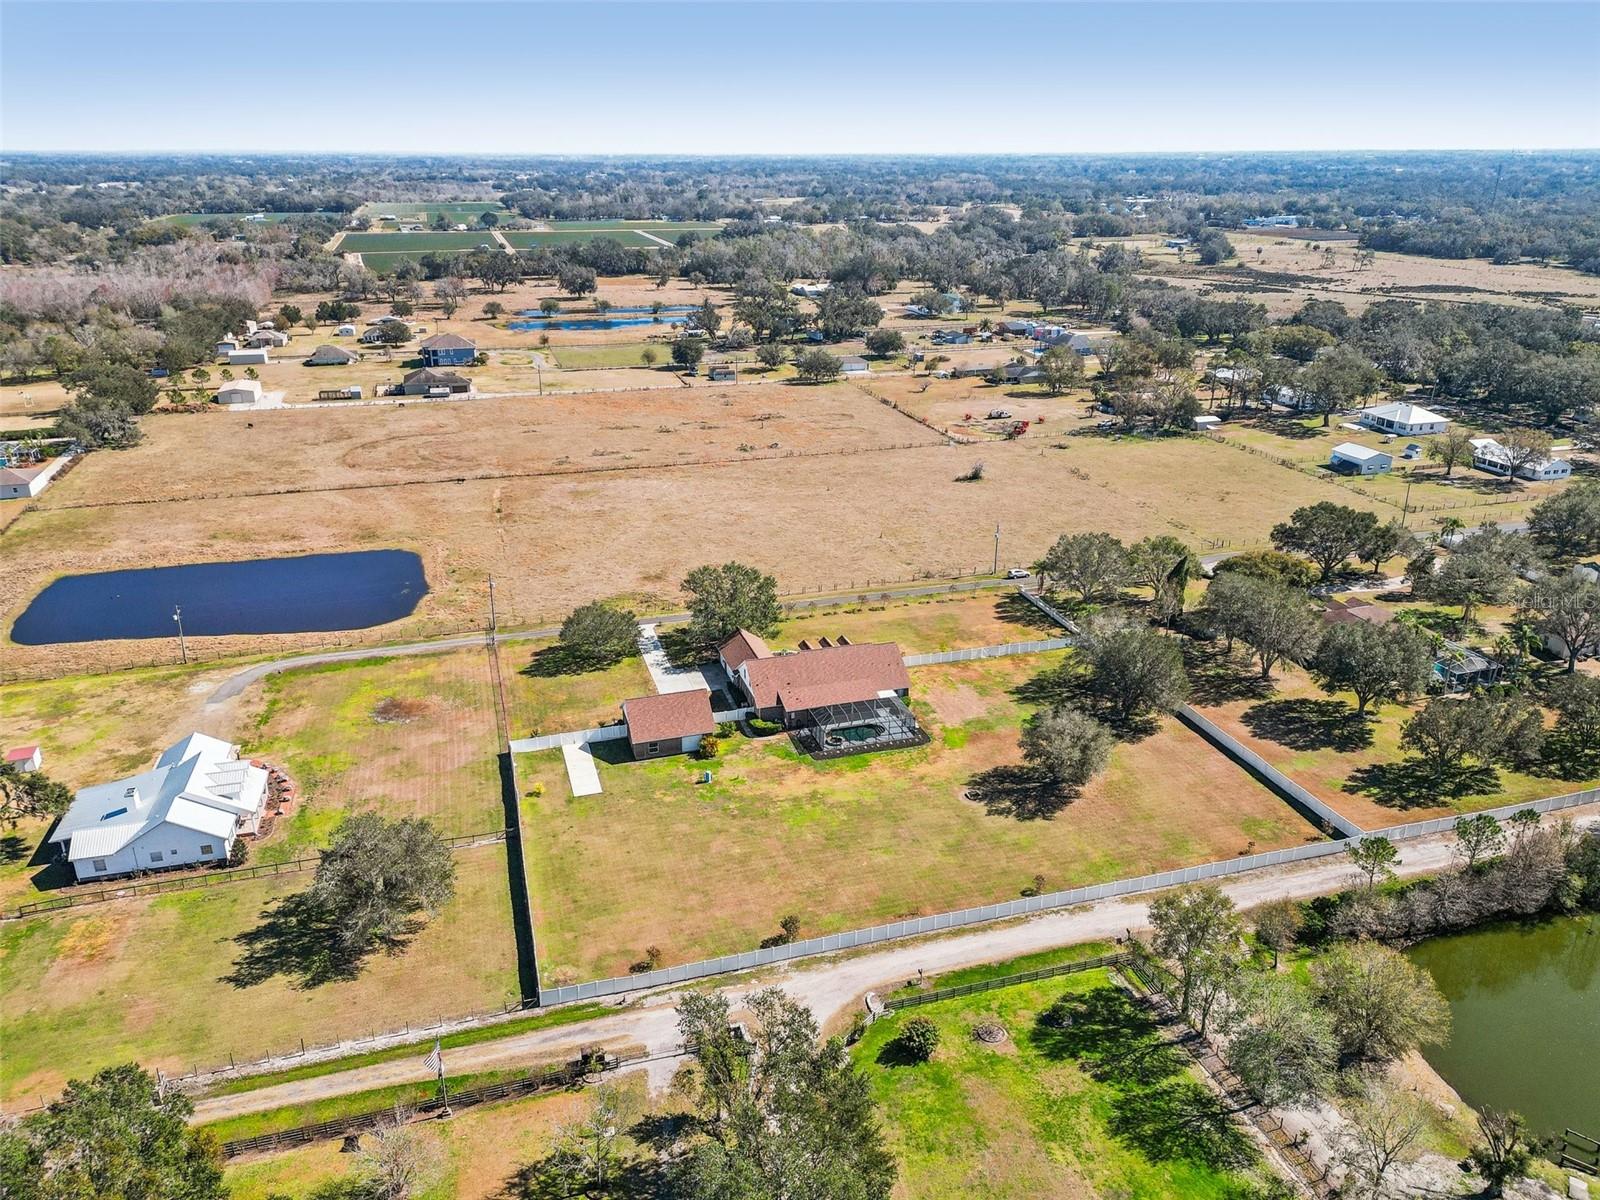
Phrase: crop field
{"type": "Point", "coordinates": [525, 239]}
{"type": "Point", "coordinates": [860, 840]}
{"type": "Point", "coordinates": [418, 243]}
{"type": "Point", "coordinates": [1079, 1111]}
{"type": "Point", "coordinates": [859, 513]}
{"type": "Point", "coordinates": [271, 218]}
{"type": "Point", "coordinates": [407, 737]}
{"type": "Point", "coordinates": [81, 991]}
{"type": "Point", "coordinates": [1360, 767]}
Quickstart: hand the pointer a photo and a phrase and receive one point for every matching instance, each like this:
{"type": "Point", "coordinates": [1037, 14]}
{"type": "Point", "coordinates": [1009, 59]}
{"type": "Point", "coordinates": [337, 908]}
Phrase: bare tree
{"type": "Point", "coordinates": [397, 1163]}
{"type": "Point", "coordinates": [1384, 1129]}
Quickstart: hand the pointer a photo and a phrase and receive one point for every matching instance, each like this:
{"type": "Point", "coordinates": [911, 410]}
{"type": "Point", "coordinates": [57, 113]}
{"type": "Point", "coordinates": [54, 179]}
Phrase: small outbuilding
{"type": "Point", "coordinates": [1349, 458]}
{"type": "Point", "coordinates": [19, 482]}
{"type": "Point", "coordinates": [249, 358]}
{"type": "Point", "coordinates": [669, 723]}
{"type": "Point", "coordinates": [25, 758]}
{"type": "Point", "coordinates": [330, 356]}
{"type": "Point", "coordinates": [346, 331]}
{"type": "Point", "coordinates": [852, 364]}
{"type": "Point", "coordinates": [448, 350]}
{"type": "Point", "coordinates": [425, 381]}
{"type": "Point", "coordinates": [240, 391]}
{"type": "Point", "coordinates": [1405, 420]}
{"type": "Point", "coordinates": [721, 373]}
{"type": "Point", "coordinates": [1205, 423]}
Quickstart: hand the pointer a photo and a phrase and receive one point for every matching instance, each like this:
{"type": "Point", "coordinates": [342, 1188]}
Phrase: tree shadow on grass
{"type": "Point", "coordinates": [1566, 758]}
{"type": "Point", "coordinates": [1306, 724]}
{"type": "Point", "coordinates": [298, 939]}
{"type": "Point", "coordinates": [1068, 683]}
{"type": "Point", "coordinates": [1217, 676]}
{"type": "Point", "coordinates": [14, 849]}
{"type": "Point", "coordinates": [1180, 1120]}
{"type": "Point", "coordinates": [553, 661]}
{"type": "Point", "coordinates": [1413, 783]}
{"type": "Point", "coordinates": [1018, 791]}
{"type": "Point", "coordinates": [1013, 608]}
{"type": "Point", "coordinates": [1109, 1035]}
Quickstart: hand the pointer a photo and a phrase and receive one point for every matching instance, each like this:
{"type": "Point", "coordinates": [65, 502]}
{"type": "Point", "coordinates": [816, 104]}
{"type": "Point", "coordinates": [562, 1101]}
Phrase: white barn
{"type": "Point", "coordinates": [189, 808]}
{"type": "Point", "coordinates": [240, 391]}
{"type": "Point", "coordinates": [1354, 459]}
{"type": "Point", "coordinates": [1406, 420]}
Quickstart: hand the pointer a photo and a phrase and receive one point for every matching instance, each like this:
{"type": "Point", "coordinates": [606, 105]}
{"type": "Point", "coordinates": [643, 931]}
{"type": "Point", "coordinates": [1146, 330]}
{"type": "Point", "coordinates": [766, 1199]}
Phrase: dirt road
{"type": "Point", "coordinates": [831, 986]}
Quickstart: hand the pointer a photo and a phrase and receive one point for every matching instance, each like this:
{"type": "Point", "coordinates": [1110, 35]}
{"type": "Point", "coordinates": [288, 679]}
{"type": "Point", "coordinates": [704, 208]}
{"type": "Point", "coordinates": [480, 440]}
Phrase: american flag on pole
{"type": "Point", "coordinates": [435, 1061]}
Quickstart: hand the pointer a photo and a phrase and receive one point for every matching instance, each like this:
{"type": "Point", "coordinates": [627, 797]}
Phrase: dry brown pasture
{"type": "Point", "coordinates": [554, 541]}
{"type": "Point", "coordinates": [1391, 276]}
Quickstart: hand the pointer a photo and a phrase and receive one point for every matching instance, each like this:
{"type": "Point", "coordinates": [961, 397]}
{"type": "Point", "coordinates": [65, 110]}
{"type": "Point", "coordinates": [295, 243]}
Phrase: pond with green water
{"type": "Point", "coordinates": [1525, 1008]}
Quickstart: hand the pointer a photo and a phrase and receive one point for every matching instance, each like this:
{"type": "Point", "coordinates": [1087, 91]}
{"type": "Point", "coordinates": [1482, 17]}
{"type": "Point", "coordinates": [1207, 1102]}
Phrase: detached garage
{"type": "Point", "coordinates": [1350, 459]}
{"type": "Point", "coordinates": [671, 723]}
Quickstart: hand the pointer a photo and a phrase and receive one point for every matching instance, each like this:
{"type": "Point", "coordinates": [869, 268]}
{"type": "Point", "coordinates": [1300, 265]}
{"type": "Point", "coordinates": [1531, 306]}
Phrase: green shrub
{"type": "Point", "coordinates": [709, 745]}
{"type": "Point", "coordinates": [918, 1039]}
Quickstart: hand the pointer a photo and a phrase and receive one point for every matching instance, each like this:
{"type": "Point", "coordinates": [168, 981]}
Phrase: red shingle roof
{"type": "Point", "coordinates": [741, 648]}
{"type": "Point", "coordinates": [833, 675]}
{"type": "Point", "coordinates": [671, 715]}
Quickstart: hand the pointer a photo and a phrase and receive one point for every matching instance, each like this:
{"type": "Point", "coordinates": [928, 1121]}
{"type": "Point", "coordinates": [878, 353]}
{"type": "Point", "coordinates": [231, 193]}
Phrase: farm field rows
{"type": "Point", "coordinates": [81, 991]}
{"type": "Point", "coordinates": [861, 840]}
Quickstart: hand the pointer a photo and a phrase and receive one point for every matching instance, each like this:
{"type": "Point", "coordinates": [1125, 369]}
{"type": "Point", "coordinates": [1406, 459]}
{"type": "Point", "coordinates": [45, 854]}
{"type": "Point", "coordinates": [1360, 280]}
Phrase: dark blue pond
{"type": "Point", "coordinates": [315, 593]}
{"type": "Point", "coordinates": [597, 322]}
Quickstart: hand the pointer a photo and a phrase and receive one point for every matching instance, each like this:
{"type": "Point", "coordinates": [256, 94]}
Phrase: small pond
{"type": "Point", "coordinates": [1525, 1010]}
{"type": "Point", "coordinates": [669, 314]}
{"type": "Point", "coordinates": [314, 593]}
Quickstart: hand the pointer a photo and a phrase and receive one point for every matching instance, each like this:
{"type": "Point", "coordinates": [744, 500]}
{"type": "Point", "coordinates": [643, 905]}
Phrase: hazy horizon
{"type": "Point", "coordinates": [818, 78]}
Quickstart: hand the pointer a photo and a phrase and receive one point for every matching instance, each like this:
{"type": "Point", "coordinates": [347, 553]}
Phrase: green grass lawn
{"type": "Point", "coordinates": [272, 218]}
{"type": "Point", "coordinates": [1101, 1108]}
{"type": "Point", "coordinates": [410, 736]}
{"type": "Point", "coordinates": [626, 355]}
{"type": "Point", "coordinates": [923, 626]}
{"type": "Point", "coordinates": [706, 869]}
{"type": "Point", "coordinates": [543, 698]}
{"type": "Point", "coordinates": [154, 980]}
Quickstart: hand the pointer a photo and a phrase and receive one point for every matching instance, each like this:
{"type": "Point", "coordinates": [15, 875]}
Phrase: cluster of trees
{"type": "Point", "coordinates": [774, 1113]}
{"type": "Point", "coordinates": [1291, 1041]}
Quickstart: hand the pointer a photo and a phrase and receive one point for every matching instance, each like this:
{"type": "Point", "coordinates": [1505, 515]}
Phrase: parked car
{"type": "Point", "coordinates": [1019, 573]}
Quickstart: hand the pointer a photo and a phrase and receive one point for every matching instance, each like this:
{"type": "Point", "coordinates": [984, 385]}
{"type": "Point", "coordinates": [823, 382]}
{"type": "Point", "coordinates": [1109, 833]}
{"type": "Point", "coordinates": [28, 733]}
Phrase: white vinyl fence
{"type": "Point", "coordinates": [975, 652]}
{"type": "Point", "coordinates": [1262, 769]}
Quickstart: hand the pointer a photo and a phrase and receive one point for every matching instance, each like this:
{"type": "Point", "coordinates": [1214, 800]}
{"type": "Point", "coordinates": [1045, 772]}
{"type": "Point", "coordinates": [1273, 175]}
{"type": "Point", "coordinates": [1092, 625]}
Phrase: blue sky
{"type": "Point", "coordinates": [775, 77]}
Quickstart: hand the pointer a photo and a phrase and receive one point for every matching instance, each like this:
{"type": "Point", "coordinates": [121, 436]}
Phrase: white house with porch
{"type": "Point", "coordinates": [189, 808]}
{"type": "Point", "coordinates": [1405, 420]}
{"type": "Point", "coordinates": [1489, 455]}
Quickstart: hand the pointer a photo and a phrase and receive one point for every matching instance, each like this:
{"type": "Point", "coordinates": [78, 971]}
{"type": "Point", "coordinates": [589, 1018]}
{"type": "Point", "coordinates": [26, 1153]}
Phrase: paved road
{"type": "Point", "coordinates": [831, 986]}
{"type": "Point", "coordinates": [235, 684]}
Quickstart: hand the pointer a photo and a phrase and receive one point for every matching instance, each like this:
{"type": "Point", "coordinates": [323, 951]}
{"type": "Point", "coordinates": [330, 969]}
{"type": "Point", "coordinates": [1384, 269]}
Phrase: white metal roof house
{"type": "Point", "coordinates": [1354, 459]}
{"type": "Point", "coordinates": [1489, 455]}
{"type": "Point", "coordinates": [272, 338]}
{"type": "Point", "coordinates": [240, 391]}
{"type": "Point", "coordinates": [18, 482]}
{"type": "Point", "coordinates": [1409, 420]}
{"type": "Point", "coordinates": [187, 809]}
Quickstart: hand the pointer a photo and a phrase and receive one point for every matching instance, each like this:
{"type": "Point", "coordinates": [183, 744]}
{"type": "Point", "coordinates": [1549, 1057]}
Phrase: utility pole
{"type": "Point", "coordinates": [183, 646]}
{"type": "Point", "coordinates": [493, 624]}
{"type": "Point", "coordinates": [996, 569]}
